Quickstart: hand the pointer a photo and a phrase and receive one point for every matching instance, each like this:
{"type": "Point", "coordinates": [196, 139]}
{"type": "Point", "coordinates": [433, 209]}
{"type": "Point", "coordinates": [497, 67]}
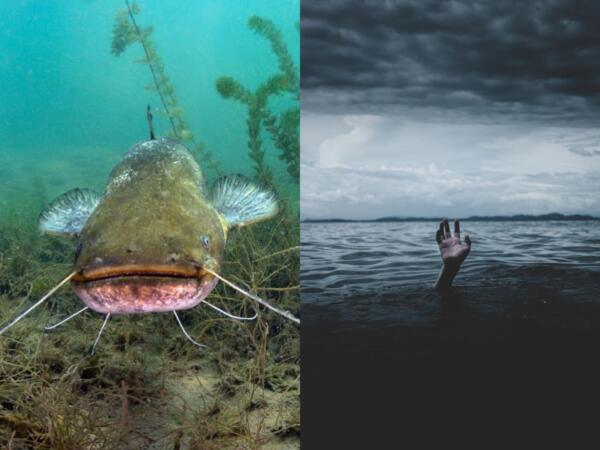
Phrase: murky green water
{"type": "Point", "coordinates": [70, 108]}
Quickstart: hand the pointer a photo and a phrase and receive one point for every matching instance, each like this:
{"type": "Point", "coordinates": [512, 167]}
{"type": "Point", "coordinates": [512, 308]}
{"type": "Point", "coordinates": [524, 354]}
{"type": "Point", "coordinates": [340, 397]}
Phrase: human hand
{"type": "Point", "coordinates": [452, 251]}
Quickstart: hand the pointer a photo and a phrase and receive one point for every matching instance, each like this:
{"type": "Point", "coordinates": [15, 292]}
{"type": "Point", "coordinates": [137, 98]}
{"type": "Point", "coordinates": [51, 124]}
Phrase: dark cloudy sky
{"type": "Point", "coordinates": [450, 108]}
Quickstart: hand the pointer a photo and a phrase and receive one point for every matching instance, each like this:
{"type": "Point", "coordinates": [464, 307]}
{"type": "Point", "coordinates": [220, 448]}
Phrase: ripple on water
{"type": "Point", "coordinates": [348, 260]}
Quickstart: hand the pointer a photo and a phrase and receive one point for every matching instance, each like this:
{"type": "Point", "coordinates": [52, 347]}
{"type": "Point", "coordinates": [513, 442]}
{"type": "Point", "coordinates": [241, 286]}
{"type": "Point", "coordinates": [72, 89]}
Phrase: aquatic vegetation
{"type": "Point", "coordinates": [127, 32]}
{"type": "Point", "coordinates": [283, 127]}
{"type": "Point", "coordinates": [147, 385]}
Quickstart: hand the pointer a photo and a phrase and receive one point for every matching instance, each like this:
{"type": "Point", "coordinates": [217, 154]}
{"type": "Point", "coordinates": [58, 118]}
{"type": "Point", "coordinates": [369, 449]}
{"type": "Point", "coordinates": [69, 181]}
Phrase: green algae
{"type": "Point", "coordinates": [284, 128]}
{"type": "Point", "coordinates": [127, 32]}
{"type": "Point", "coordinates": [147, 386]}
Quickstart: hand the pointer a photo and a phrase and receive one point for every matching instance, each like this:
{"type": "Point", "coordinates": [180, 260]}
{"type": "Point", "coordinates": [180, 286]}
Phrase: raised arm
{"type": "Point", "coordinates": [452, 251]}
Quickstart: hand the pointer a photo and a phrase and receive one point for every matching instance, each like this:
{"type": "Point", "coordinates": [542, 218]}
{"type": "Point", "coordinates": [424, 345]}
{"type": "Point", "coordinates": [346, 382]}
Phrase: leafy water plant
{"type": "Point", "coordinates": [283, 127]}
{"type": "Point", "coordinates": [126, 32]}
{"type": "Point", "coordinates": [147, 387]}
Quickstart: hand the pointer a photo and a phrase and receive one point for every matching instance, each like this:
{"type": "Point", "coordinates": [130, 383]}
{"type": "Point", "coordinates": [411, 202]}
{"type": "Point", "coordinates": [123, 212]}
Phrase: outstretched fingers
{"type": "Point", "coordinates": [447, 229]}
{"type": "Point", "coordinates": [468, 240]}
{"type": "Point", "coordinates": [457, 229]}
{"type": "Point", "coordinates": [440, 233]}
{"type": "Point", "coordinates": [439, 237]}
{"type": "Point", "coordinates": [443, 231]}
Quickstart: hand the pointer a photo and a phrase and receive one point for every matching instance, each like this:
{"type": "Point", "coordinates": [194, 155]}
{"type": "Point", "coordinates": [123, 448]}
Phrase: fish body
{"type": "Point", "coordinates": [145, 245]}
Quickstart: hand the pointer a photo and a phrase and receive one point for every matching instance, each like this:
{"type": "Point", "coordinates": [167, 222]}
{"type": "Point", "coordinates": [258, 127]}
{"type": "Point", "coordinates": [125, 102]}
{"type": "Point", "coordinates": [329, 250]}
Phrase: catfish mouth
{"type": "Point", "coordinates": [138, 270]}
{"type": "Point", "coordinates": [133, 288]}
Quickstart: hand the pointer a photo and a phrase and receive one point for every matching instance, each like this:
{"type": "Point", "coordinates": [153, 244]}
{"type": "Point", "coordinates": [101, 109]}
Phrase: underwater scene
{"type": "Point", "coordinates": [149, 158]}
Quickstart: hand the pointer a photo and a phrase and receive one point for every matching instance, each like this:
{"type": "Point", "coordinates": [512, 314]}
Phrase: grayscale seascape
{"type": "Point", "coordinates": [520, 326]}
{"type": "Point", "coordinates": [370, 272]}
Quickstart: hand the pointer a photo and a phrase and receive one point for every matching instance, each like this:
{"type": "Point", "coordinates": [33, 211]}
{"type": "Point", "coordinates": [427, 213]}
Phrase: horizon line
{"type": "Point", "coordinates": [531, 217]}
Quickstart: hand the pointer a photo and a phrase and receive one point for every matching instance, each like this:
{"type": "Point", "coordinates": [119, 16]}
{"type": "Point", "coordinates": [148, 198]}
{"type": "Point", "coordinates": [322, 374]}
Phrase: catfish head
{"type": "Point", "coordinates": [154, 241]}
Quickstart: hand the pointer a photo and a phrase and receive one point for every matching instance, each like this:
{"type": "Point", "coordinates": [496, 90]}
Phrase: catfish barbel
{"type": "Point", "coordinates": [154, 241]}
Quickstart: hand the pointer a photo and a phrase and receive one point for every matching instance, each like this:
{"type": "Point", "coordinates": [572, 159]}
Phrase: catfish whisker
{"type": "Point", "coordinates": [196, 343]}
{"type": "Point", "coordinates": [257, 299]}
{"type": "Point", "coordinates": [216, 308]}
{"type": "Point", "coordinates": [99, 334]}
{"type": "Point", "coordinates": [13, 321]}
{"type": "Point", "coordinates": [52, 327]}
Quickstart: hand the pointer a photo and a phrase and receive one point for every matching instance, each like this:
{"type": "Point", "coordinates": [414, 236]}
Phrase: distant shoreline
{"type": "Point", "coordinates": [513, 218]}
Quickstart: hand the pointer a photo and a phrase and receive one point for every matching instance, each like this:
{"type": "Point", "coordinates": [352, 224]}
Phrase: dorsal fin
{"type": "Point", "coordinates": [150, 125]}
{"type": "Point", "coordinates": [67, 214]}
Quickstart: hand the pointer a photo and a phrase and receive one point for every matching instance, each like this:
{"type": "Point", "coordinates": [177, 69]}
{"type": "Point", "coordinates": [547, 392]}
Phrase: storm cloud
{"type": "Point", "coordinates": [535, 58]}
{"type": "Point", "coordinates": [365, 166]}
{"type": "Point", "coordinates": [429, 107]}
{"type": "Point", "coordinates": [351, 192]}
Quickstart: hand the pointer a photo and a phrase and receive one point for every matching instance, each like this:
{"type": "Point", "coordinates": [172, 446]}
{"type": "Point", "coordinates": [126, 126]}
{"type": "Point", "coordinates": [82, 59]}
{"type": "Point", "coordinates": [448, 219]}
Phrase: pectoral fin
{"type": "Point", "coordinates": [242, 201]}
{"type": "Point", "coordinates": [67, 213]}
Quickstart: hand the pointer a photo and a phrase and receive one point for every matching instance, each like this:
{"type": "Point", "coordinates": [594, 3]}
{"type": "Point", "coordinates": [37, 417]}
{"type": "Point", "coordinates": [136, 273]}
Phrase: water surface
{"type": "Point", "coordinates": [511, 348]}
{"type": "Point", "coordinates": [384, 271]}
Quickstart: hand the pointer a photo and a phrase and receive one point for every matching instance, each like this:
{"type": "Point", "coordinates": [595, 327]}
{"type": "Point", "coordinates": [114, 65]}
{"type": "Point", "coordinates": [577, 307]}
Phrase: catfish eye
{"type": "Point", "coordinates": [205, 241]}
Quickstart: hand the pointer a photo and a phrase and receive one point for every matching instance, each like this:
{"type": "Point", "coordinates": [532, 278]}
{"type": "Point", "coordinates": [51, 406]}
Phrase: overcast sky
{"type": "Point", "coordinates": [450, 108]}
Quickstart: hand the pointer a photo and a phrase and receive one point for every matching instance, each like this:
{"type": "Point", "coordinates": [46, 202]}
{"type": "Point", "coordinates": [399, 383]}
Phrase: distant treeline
{"type": "Point", "coordinates": [514, 218]}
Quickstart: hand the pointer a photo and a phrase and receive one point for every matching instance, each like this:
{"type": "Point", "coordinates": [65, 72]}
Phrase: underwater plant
{"type": "Point", "coordinates": [126, 32]}
{"type": "Point", "coordinates": [284, 128]}
{"type": "Point", "coordinates": [243, 391]}
{"type": "Point", "coordinates": [149, 387]}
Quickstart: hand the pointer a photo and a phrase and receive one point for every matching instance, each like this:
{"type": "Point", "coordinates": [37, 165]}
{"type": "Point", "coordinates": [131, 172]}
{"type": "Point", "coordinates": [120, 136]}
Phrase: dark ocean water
{"type": "Point", "coordinates": [512, 347]}
{"type": "Point", "coordinates": [378, 272]}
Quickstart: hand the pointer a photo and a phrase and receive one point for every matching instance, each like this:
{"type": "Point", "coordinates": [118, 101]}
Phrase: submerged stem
{"type": "Point", "coordinates": [147, 53]}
